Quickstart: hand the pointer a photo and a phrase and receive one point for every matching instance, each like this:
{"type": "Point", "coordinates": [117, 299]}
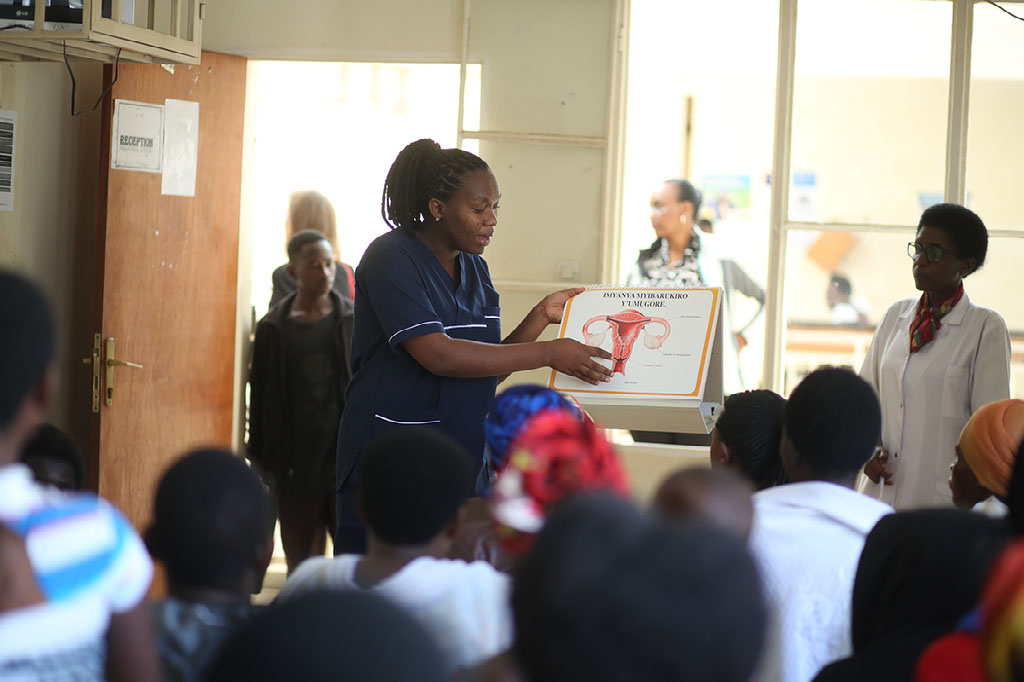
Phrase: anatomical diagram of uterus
{"type": "Point", "coordinates": [625, 328]}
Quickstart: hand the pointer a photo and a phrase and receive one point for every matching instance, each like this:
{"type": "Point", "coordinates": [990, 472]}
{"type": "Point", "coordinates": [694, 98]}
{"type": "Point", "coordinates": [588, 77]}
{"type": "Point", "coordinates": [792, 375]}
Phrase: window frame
{"type": "Point", "coordinates": [781, 225]}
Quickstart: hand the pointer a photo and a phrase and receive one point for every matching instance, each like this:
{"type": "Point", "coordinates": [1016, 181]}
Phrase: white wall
{"type": "Point", "coordinates": [339, 30]}
{"type": "Point", "coordinates": [51, 233]}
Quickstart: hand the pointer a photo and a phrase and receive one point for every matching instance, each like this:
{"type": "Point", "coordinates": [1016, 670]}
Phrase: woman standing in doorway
{"type": "Point", "coordinates": [427, 346]}
{"type": "Point", "coordinates": [934, 361]}
{"type": "Point", "coordinates": [311, 210]}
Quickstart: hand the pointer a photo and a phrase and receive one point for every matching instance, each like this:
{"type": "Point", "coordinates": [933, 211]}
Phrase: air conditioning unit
{"type": "Point", "coordinates": [60, 14]}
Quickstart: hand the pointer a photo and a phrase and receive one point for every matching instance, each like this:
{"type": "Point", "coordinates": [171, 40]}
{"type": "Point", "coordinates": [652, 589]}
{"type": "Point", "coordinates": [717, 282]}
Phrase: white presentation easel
{"type": "Point", "coordinates": [694, 413]}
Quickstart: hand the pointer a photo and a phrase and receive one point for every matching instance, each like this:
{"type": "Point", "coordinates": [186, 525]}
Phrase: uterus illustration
{"type": "Point", "coordinates": [625, 327]}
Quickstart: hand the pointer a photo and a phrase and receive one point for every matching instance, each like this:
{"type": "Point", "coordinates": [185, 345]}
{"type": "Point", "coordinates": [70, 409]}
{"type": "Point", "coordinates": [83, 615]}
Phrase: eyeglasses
{"type": "Point", "coordinates": [932, 254]}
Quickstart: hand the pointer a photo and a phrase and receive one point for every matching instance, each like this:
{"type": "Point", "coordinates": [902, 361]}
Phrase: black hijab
{"type": "Point", "coordinates": [919, 574]}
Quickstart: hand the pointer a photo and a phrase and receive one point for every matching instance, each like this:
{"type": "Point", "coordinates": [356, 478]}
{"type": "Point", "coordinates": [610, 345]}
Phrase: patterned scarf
{"type": "Point", "coordinates": [928, 319]}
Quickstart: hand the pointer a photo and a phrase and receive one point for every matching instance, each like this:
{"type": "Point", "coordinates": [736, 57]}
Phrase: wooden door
{"type": "Point", "coordinates": [166, 283]}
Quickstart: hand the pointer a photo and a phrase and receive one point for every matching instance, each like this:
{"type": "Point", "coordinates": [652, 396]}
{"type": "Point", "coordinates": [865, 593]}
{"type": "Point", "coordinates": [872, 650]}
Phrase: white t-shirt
{"type": "Point", "coordinates": [928, 397]}
{"type": "Point", "coordinates": [807, 540]}
{"type": "Point", "coordinates": [465, 605]}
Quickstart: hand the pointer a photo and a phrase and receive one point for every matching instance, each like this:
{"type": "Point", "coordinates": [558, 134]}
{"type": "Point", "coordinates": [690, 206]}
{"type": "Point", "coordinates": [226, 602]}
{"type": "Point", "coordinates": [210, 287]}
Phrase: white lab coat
{"type": "Point", "coordinates": [928, 397]}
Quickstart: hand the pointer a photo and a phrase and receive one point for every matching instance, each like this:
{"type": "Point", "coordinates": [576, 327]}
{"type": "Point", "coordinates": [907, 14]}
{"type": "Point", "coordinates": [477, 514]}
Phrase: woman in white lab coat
{"type": "Point", "coordinates": [933, 362]}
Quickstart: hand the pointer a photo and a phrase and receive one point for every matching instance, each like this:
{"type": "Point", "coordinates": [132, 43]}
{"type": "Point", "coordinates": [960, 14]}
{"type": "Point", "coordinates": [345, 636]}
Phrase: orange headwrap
{"type": "Point", "coordinates": [990, 440]}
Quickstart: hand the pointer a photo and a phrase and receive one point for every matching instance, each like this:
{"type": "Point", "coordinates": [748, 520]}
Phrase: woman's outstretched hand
{"type": "Point", "coordinates": [575, 359]}
{"type": "Point", "coordinates": [553, 305]}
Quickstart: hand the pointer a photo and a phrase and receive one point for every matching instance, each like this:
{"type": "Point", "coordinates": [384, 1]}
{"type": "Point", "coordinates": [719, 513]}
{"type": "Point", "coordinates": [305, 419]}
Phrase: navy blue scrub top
{"type": "Point", "coordinates": [403, 291]}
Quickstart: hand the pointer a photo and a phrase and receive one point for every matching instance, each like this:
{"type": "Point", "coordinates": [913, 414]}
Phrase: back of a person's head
{"type": "Point", "coordinates": [608, 593]}
{"type": "Point", "coordinates": [26, 343]}
{"type": "Point", "coordinates": [750, 426]}
{"type": "Point", "coordinates": [54, 459]}
{"type": "Point", "coordinates": [1002, 616]}
{"type": "Point", "coordinates": [717, 496]}
{"type": "Point", "coordinates": [921, 571]}
{"type": "Point", "coordinates": [555, 457]}
{"type": "Point", "coordinates": [1015, 495]}
{"type": "Point", "coordinates": [412, 483]}
{"type": "Point", "coordinates": [210, 520]}
{"type": "Point", "coordinates": [330, 635]}
{"type": "Point", "coordinates": [833, 421]}
{"type": "Point", "coordinates": [510, 410]}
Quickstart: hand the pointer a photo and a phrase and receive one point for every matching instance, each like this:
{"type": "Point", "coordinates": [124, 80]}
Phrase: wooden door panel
{"type": "Point", "coordinates": [167, 278]}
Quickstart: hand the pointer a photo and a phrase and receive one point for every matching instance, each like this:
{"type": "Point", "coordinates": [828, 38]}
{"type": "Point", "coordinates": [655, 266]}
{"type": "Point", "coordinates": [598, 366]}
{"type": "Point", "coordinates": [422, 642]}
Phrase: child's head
{"type": "Point", "coordinates": [311, 263]}
{"type": "Point", "coordinates": [747, 434]}
{"type": "Point", "coordinates": [26, 350]}
{"type": "Point", "coordinates": [717, 496]}
{"type": "Point", "coordinates": [608, 593]}
{"type": "Point", "coordinates": [211, 523]}
{"type": "Point", "coordinates": [412, 485]}
{"type": "Point", "coordinates": [833, 422]}
{"type": "Point", "coordinates": [349, 635]}
{"type": "Point", "coordinates": [54, 459]}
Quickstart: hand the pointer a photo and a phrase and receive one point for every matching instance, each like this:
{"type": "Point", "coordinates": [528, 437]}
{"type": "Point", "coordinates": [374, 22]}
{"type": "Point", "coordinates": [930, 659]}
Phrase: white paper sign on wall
{"type": "Point", "coordinates": [138, 136]}
{"type": "Point", "coordinates": [181, 147]}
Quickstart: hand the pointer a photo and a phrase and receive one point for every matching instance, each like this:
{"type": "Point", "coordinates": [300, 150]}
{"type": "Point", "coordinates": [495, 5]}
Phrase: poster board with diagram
{"type": "Point", "coordinates": [666, 346]}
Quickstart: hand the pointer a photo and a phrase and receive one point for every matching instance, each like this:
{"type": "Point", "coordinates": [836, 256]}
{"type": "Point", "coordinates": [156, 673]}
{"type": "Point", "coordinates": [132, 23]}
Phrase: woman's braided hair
{"type": "Point", "coordinates": [751, 427]}
{"type": "Point", "coordinates": [421, 172]}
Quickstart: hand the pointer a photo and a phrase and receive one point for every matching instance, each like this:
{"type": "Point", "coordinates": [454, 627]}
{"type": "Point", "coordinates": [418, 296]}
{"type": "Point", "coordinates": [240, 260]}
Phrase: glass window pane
{"type": "Point", "coordinates": [869, 110]}
{"type": "Point", "coordinates": [701, 106]}
{"type": "Point", "coordinates": [545, 65]}
{"type": "Point", "coordinates": [879, 273]}
{"type": "Point", "coordinates": [995, 145]}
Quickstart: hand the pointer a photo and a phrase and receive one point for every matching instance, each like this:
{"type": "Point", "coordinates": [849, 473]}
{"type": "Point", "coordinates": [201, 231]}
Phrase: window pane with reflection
{"type": "Point", "coordinates": [869, 110]}
{"type": "Point", "coordinates": [995, 140]}
{"type": "Point", "coordinates": [822, 330]}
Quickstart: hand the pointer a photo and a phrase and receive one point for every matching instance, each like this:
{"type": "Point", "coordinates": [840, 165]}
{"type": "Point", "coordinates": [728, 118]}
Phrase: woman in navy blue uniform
{"type": "Point", "coordinates": [427, 347]}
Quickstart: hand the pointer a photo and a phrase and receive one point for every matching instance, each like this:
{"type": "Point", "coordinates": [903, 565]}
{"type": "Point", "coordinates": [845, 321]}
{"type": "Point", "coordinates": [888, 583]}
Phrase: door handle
{"type": "Point", "coordinates": [122, 363]}
{"type": "Point", "coordinates": [111, 363]}
{"type": "Point", "coordinates": [94, 360]}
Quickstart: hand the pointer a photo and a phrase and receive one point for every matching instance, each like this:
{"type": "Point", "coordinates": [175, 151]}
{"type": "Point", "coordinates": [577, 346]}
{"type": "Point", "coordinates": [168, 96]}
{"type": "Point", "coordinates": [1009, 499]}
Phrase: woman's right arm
{"type": "Point", "coordinates": [444, 356]}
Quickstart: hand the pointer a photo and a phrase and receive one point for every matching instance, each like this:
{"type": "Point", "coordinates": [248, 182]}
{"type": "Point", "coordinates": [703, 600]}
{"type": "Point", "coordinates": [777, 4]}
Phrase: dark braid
{"type": "Point", "coordinates": [421, 172]}
{"type": "Point", "coordinates": [751, 427]}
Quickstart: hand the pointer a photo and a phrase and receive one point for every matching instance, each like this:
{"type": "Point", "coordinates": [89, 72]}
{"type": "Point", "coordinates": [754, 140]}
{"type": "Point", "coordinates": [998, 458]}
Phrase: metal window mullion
{"type": "Point", "coordinates": [781, 151]}
{"type": "Point", "coordinates": [614, 156]}
{"type": "Point", "coordinates": [959, 101]}
{"type": "Point", "coordinates": [463, 67]}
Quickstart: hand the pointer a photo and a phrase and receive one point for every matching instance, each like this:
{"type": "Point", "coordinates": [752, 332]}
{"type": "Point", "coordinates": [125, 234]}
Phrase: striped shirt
{"type": "Point", "coordinates": [89, 562]}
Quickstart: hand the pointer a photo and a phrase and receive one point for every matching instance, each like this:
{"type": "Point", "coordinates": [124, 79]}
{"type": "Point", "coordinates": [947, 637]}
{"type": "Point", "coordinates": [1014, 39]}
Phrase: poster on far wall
{"type": "Point", "coordinates": [723, 194]}
{"type": "Point", "coordinates": [8, 123]}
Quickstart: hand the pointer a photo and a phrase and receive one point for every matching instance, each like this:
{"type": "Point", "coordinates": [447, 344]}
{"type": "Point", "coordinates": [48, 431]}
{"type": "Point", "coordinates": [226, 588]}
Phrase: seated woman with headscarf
{"type": "Point", "coordinates": [986, 453]}
{"type": "Point", "coordinates": [510, 413]}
